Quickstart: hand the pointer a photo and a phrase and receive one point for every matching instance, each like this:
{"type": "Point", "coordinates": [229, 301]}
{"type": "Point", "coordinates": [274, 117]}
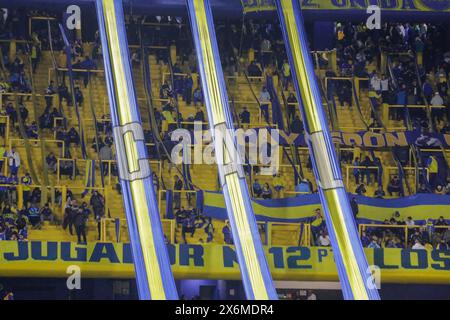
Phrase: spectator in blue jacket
{"type": "Point", "coordinates": [257, 189]}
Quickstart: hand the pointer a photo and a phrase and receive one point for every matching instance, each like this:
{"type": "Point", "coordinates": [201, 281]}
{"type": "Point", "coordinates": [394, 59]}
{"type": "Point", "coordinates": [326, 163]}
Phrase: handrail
{"type": "Point", "coordinates": [109, 162]}
{"type": "Point", "coordinates": [330, 105]}
{"type": "Point", "coordinates": [186, 172]}
{"type": "Point", "coordinates": [358, 105]}
{"type": "Point", "coordinates": [418, 106]}
{"type": "Point", "coordinates": [72, 87]}
{"type": "Point", "coordinates": [91, 107]}
{"type": "Point", "coordinates": [146, 76]}
{"type": "Point", "coordinates": [104, 221]}
{"type": "Point", "coordinates": [293, 149]}
{"type": "Point", "coordinates": [55, 65]}
{"type": "Point", "coordinates": [408, 123]}
{"type": "Point", "coordinates": [247, 78]}
{"type": "Point", "coordinates": [419, 82]}
{"type": "Point", "coordinates": [10, 141]}
{"type": "Point", "coordinates": [27, 142]}
{"type": "Point", "coordinates": [36, 118]}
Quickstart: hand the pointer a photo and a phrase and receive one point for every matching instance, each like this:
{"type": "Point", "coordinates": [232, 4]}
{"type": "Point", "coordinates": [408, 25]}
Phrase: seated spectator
{"type": "Point", "coordinates": [297, 125]}
{"type": "Point", "coordinates": [180, 215]}
{"type": "Point", "coordinates": [254, 70]}
{"type": "Point", "coordinates": [361, 190]}
{"type": "Point", "coordinates": [439, 189]}
{"type": "Point", "coordinates": [278, 185]}
{"type": "Point", "coordinates": [33, 215]}
{"type": "Point", "coordinates": [442, 246]}
{"type": "Point", "coordinates": [109, 139]}
{"type": "Point", "coordinates": [441, 224]}
{"type": "Point", "coordinates": [374, 243]}
{"type": "Point", "coordinates": [47, 214]}
{"type": "Point", "coordinates": [257, 189]}
{"type": "Point", "coordinates": [198, 96]}
{"type": "Point", "coordinates": [437, 100]}
{"type": "Point", "coordinates": [394, 186]}
{"type": "Point", "coordinates": [244, 117]}
{"type": "Point", "coordinates": [365, 240]}
{"type": "Point", "coordinates": [199, 115]}
{"type": "Point", "coordinates": [51, 162]}
{"type": "Point", "coordinates": [410, 222]}
{"type": "Point", "coordinates": [73, 137]}
{"type": "Point", "coordinates": [166, 91]}
{"type": "Point", "coordinates": [66, 168]}
{"type": "Point", "coordinates": [32, 131]}
{"type": "Point", "coordinates": [418, 245]}
{"type": "Point", "coordinates": [324, 239]}
{"type": "Point", "coordinates": [266, 191]}
{"type": "Point", "coordinates": [379, 193]}
{"type": "Point", "coordinates": [96, 145]}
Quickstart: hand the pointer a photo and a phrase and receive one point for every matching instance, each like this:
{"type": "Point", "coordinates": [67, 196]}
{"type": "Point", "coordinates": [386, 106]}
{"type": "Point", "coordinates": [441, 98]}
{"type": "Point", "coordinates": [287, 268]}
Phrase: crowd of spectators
{"type": "Point", "coordinates": [190, 220]}
{"type": "Point", "coordinates": [76, 216]}
{"type": "Point", "coordinates": [356, 48]}
{"type": "Point", "coordinates": [398, 232]}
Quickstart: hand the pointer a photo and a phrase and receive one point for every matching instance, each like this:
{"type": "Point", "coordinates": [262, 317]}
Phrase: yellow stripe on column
{"type": "Point", "coordinates": [245, 238]}
{"type": "Point", "coordinates": [348, 257]}
{"type": "Point", "coordinates": [311, 112]}
{"type": "Point", "coordinates": [231, 180]}
{"type": "Point", "coordinates": [141, 209]}
{"type": "Point", "coordinates": [299, 64]}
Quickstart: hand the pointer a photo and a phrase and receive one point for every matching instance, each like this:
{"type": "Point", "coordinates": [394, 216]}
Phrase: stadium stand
{"type": "Point", "coordinates": [59, 175]}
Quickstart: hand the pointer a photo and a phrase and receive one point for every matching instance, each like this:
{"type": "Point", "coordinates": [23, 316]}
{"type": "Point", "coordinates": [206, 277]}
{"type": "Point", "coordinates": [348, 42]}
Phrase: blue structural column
{"type": "Point", "coordinates": [250, 253]}
{"type": "Point", "coordinates": [151, 261]}
{"type": "Point", "coordinates": [351, 262]}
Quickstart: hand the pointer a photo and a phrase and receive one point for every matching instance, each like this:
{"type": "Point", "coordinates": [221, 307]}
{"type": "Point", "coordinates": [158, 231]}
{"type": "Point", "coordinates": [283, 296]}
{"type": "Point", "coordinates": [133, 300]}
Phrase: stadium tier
{"type": "Point", "coordinates": [208, 144]}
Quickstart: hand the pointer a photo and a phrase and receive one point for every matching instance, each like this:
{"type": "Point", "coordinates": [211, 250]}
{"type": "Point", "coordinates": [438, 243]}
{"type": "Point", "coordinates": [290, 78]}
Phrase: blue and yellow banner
{"type": "Point", "coordinates": [388, 5]}
{"type": "Point", "coordinates": [302, 207]}
{"type": "Point", "coordinates": [213, 261]}
{"type": "Point", "coordinates": [371, 139]}
{"type": "Point", "coordinates": [368, 139]}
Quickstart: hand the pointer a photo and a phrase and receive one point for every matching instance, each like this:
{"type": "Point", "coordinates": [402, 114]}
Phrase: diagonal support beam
{"type": "Point", "coordinates": [151, 261]}
{"type": "Point", "coordinates": [250, 253]}
{"type": "Point", "coordinates": [349, 255]}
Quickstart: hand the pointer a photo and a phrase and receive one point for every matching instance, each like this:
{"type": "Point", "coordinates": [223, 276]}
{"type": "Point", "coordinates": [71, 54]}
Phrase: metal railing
{"type": "Point", "coordinates": [402, 232]}
{"type": "Point", "coordinates": [121, 235]}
